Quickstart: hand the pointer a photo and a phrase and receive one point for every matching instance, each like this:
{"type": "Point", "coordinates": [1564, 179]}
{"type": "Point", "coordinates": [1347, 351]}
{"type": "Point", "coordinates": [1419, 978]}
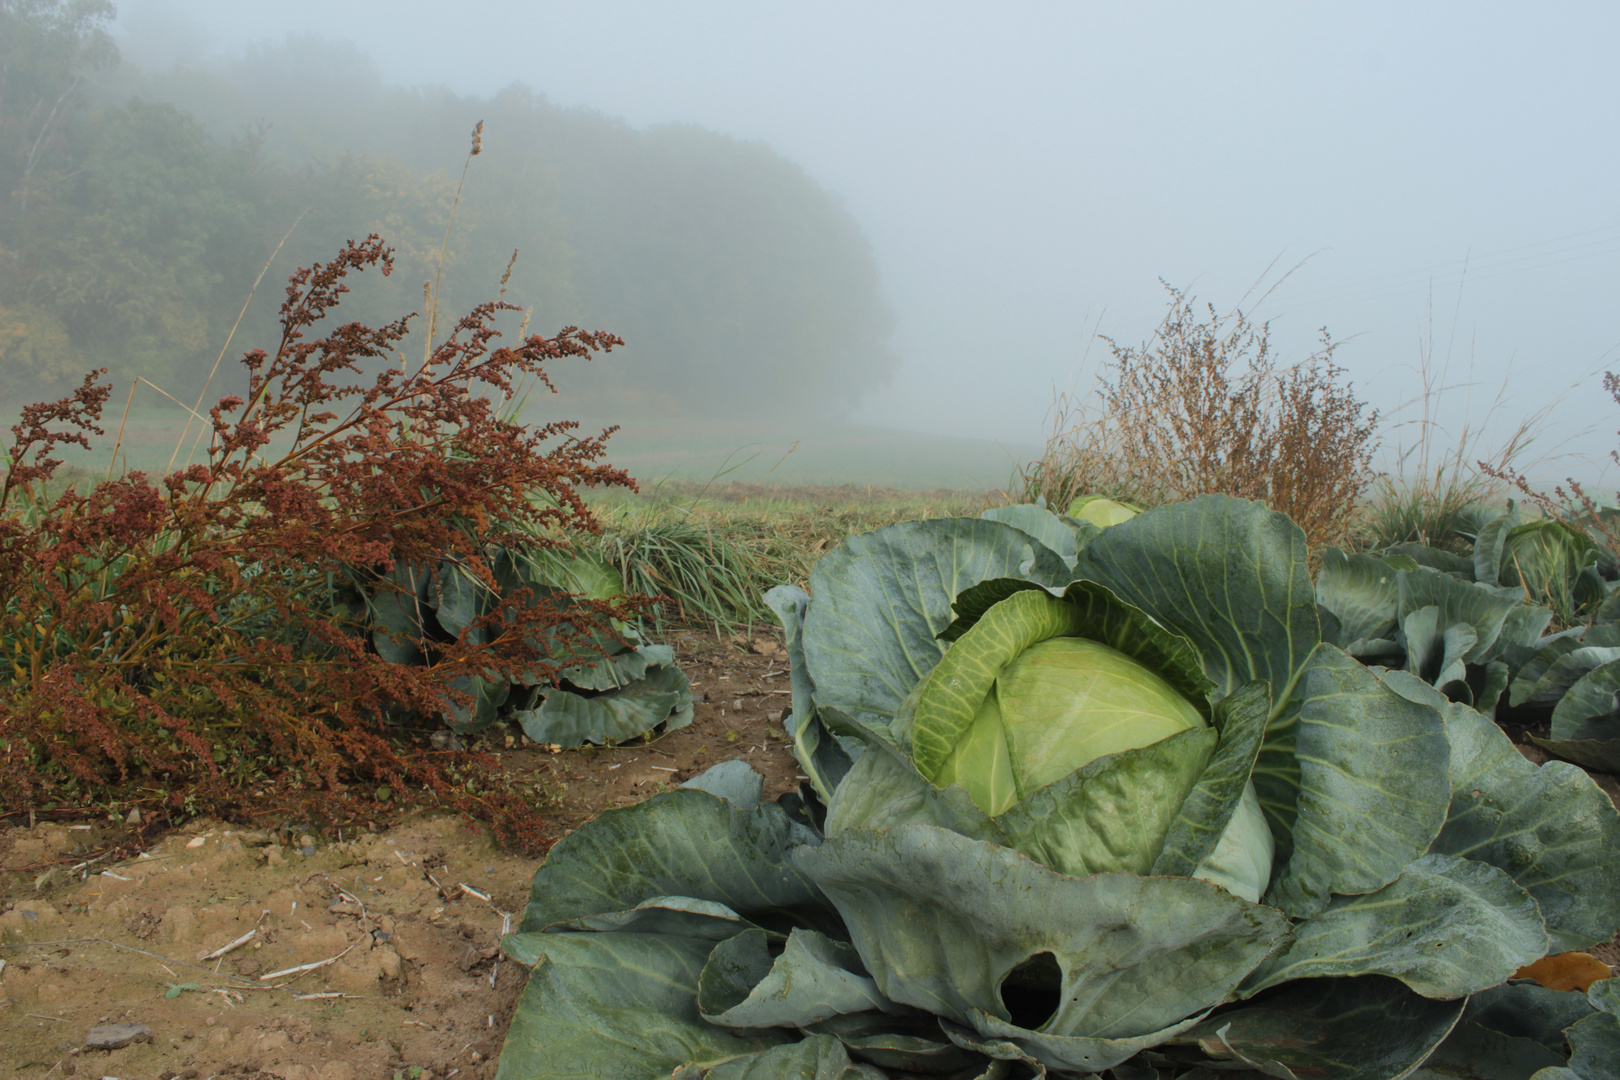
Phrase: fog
{"type": "Point", "coordinates": [1434, 181]}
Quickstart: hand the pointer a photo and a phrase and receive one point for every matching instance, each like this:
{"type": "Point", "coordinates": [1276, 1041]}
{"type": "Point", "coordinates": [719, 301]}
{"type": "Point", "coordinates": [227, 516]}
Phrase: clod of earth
{"type": "Point", "coordinates": [112, 1036]}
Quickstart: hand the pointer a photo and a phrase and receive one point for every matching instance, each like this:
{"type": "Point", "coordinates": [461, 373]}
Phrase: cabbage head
{"type": "Point", "coordinates": [1100, 511]}
{"type": "Point", "coordinates": [1022, 700]}
{"type": "Point", "coordinates": [1120, 808]}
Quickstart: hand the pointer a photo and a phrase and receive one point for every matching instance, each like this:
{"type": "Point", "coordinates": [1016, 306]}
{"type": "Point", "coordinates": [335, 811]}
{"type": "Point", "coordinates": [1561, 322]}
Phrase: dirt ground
{"type": "Point", "coordinates": [352, 954]}
{"type": "Point", "coordinates": [366, 954]}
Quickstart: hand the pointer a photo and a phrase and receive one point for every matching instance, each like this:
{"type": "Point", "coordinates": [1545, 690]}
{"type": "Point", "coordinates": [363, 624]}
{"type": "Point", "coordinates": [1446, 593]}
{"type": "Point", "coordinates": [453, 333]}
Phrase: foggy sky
{"type": "Point", "coordinates": [1027, 172]}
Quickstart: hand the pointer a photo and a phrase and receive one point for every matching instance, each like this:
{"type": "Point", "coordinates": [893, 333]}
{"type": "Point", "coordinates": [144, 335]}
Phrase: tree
{"type": "Point", "coordinates": [47, 47]}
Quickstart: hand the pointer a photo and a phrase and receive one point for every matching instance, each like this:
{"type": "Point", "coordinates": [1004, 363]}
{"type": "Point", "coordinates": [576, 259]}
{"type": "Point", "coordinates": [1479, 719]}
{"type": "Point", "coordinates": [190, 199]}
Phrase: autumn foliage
{"type": "Point", "coordinates": [171, 640]}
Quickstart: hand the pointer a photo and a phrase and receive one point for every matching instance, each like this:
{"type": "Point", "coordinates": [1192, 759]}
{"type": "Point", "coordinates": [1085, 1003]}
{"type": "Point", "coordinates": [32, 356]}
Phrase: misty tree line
{"type": "Point", "coordinates": [139, 207]}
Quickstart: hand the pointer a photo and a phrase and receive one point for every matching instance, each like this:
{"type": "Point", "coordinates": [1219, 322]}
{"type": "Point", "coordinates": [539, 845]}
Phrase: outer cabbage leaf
{"type": "Point", "coordinates": [1446, 928]}
{"type": "Point", "coordinates": [1484, 608]}
{"type": "Point", "coordinates": [1524, 626]}
{"type": "Point", "coordinates": [1505, 1018]}
{"type": "Point", "coordinates": [1479, 1053]}
{"type": "Point", "coordinates": [1594, 1048]}
{"type": "Point", "coordinates": [884, 789]}
{"type": "Point", "coordinates": [1586, 722]}
{"type": "Point", "coordinates": [1435, 652]}
{"type": "Point", "coordinates": [1489, 543]}
{"type": "Point", "coordinates": [734, 780]}
{"type": "Point", "coordinates": [1411, 556]}
{"type": "Point", "coordinates": [1531, 670]}
{"type": "Point", "coordinates": [681, 843]}
{"type": "Point", "coordinates": [619, 668]}
{"type": "Point", "coordinates": [916, 1046]}
{"type": "Point", "coordinates": [663, 696]}
{"type": "Point", "coordinates": [1230, 577]}
{"type": "Point", "coordinates": [478, 713]}
{"type": "Point", "coordinates": [618, 1007]}
{"type": "Point", "coordinates": [1550, 827]}
{"type": "Point", "coordinates": [1373, 785]}
{"type": "Point", "coordinates": [1041, 1050]}
{"type": "Point", "coordinates": [942, 920]}
{"type": "Point", "coordinates": [1063, 536]}
{"type": "Point", "coordinates": [1362, 593]}
{"type": "Point", "coordinates": [680, 916]}
{"type": "Point", "coordinates": [1368, 1028]}
{"type": "Point", "coordinates": [881, 599]}
{"type": "Point", "coordinates": [398, 608]}
{"type": "Point", "coordinates": [1565, 671]}
{"type": "Point", "coordinates": [1203, 817]}
{"type": "Point", "coordinates": [456, 597]}
{"type": "Point", "coordinates": [824, 758]}
{"type": "Point", "coordinates": [819, 1057]}
{"type": "Point", "coordinates": [814, 979]}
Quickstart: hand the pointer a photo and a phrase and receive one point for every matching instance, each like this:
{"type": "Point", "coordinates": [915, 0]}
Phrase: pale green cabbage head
{"type": "Point", "coordinates": [1024, 706]}
{"type": "Point", "coordinates": [1060, 704]}
{"type": "Point", "coordinates": [1101, 512]}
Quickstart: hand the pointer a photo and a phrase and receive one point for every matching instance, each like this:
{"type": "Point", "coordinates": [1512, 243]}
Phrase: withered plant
{"type": "Point", "coordinates": [164, 636]}
{"type": "Point", "coordinates": [1204, 406]}
{"type": "Point", "coordinates": [1569, 502]}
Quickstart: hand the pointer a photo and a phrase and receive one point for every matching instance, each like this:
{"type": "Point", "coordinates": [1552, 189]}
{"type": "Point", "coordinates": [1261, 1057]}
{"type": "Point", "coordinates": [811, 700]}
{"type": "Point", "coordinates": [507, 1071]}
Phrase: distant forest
{"type": "Point", "coordinates": [139, 207]}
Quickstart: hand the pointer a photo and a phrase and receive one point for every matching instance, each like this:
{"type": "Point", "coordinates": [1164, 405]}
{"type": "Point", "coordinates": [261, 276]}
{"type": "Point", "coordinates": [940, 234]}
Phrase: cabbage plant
{"type": "Point", "coordinates": [608, 687]}
{"type": "Point", "coordinates": [1471, 626]}
{"type": "Point", "coordinates": [1129, 814]}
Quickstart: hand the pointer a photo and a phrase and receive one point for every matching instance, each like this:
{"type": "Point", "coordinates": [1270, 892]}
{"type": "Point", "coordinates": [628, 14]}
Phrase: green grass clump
{"type": "Point", "coordinates": [712, 552]}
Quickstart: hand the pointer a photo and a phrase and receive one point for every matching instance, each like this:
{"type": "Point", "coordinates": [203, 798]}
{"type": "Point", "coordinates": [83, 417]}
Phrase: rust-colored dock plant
{"type": "Point", "coordinates": [174, 639]}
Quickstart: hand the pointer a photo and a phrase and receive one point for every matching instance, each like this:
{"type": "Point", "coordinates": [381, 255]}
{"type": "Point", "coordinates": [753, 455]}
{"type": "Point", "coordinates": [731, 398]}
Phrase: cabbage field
{"type": "Point", "coordinates": [1124, 794]}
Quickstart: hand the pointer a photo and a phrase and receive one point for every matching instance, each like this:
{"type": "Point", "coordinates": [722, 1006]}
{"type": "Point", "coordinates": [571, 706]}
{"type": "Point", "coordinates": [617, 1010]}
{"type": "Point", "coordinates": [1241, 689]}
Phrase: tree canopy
{"type": "Point", "coordinates": [141, 206]}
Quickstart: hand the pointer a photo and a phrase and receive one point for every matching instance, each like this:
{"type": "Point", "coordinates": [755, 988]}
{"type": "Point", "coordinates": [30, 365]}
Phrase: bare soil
{"type": "Point", "coordinates": [103, 922]}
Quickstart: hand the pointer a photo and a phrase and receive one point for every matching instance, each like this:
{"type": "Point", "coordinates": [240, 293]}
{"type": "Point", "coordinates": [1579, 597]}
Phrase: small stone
{"type": "Point", "coordinates": [196, 841]}
{"type": "Point", "coordinates": [189, 1035]}
{"type": "Point", "coordinates": [134, 817]}
{"type": "Point", "coordinates": [210, 1021]}
{"type": "Point", "coordinates": [112, 1036]}
{"type": "Point", "coordinates": [307, 850]}
{"type": "Point", "coordinates": [189, 1074]}
{"type": "Point", "coordinates": [306, 841]}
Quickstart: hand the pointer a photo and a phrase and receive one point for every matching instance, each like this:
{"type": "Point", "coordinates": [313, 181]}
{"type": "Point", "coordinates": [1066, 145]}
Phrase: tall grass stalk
{"type": "Point", "coordinates": [1439, 472]}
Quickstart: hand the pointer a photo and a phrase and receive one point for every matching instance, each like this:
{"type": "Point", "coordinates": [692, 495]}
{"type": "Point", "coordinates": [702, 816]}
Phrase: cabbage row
{"type": "Point", "coordinates": [1133, 798]}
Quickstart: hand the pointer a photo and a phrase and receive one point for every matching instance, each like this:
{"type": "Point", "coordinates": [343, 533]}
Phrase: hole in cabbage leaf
{"type": "Point", "coordinates": [1031, 991]}
{"type": "Point", "coordinates": [1459, 691]}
